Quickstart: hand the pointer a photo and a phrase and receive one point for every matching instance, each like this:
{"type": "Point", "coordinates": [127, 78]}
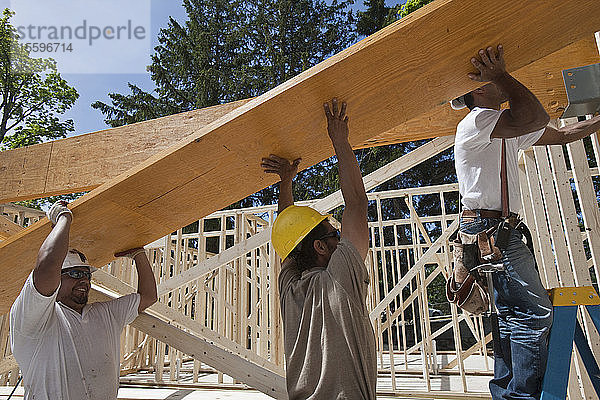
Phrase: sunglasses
{"type": "Point", "coordinates": [78, 274]}
{"type": "Point", "coordinates": [332, 234]}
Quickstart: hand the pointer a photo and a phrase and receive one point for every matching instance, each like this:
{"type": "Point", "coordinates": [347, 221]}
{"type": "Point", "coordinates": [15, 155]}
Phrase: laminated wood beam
{"type": "Point", "coordinates": [324, 205]}
{"type": "Point", "coordinates": [389, 78]}
{"type": "Point", "coordinates": [84, 162]}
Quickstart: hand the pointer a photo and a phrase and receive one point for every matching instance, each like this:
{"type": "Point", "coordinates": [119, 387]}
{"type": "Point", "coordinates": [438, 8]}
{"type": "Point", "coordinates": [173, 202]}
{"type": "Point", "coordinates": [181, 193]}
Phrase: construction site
{"type": "Point", "coordinates": [216, 331]}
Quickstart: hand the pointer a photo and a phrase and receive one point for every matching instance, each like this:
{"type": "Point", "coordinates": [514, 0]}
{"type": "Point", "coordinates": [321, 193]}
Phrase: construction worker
{"type": "Point", "coordinates": [329, 340]}
{"type": "Point", "coordinates": [66, 348]}
{"type": "Point", "coordinates": [525, 311]}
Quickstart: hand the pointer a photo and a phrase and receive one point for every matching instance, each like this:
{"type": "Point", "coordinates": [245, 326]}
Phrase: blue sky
{"type": "Point", "coordinates": [93, 87]}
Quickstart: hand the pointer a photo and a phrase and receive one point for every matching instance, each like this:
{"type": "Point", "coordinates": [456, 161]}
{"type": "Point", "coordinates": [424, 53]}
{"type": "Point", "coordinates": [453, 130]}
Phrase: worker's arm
{"type": "Point", "coordinates": [52, 253]}
{"type": "Point", "coordinates": [354, 220]}
{"type": "Point", "coordinates": [146, 281]}
{"type": "Point", "coordinates": [526, 114]}
{"type": "Point", "coordinates": [569, 133]}
{"type": "Point", "coordinates": [286, 171]}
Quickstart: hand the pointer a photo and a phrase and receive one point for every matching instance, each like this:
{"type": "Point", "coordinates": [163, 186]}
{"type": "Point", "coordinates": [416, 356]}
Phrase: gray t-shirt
{"type": "Point", "coordinates": [329, 341]}
{"type": "Point", "coordinates": [66, 355]}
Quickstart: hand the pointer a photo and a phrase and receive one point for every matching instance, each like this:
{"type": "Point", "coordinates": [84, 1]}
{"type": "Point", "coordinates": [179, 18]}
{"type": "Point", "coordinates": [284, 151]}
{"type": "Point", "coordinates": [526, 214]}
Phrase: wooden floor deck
{"type": "Point", "coordinates": [409, 384]}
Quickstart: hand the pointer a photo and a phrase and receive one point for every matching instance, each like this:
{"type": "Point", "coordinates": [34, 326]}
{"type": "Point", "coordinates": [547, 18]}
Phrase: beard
{"type": "Point", "coordinates": [79, 298]}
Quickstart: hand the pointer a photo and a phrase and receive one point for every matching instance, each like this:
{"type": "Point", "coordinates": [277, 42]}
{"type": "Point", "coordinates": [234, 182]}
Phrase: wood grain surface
{"type": "Point", "coordinates": [84, 162]}
{"type": "Point", "coordinates": [389, 78]}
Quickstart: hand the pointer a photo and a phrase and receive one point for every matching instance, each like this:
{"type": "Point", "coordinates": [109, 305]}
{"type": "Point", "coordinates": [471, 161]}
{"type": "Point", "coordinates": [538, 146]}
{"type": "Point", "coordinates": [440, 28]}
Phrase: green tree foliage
{"type": "Point", "coordinates": [410, 6]}
{"type": "Point", "coordinates": [376, 16]}
{"type": "Point", "coordinates": [33, 94]}
{"type": "Point", "coordinates": [437, 170]}
{"type": "Point", "coordinates": [230, 50]}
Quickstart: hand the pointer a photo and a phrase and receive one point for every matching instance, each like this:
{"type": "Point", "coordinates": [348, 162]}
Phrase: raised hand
{"type": "Point", "coordinates": [491, 65]}
{"type": "Point", "coordinates": [280, 166]}
{"type": "Point", "coordinates": [131, 253]}
{"type": "Point", "coordinates": [56, 210]}
{"type": "Point", "coordinates": [337, 122]}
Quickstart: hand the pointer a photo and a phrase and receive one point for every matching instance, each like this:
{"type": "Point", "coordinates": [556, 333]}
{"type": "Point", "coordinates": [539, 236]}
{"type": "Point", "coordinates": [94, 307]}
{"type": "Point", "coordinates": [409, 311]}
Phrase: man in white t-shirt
{"type": "Point", "coordinates": [68, 349]}
{"type": "Point", "coordinates": [525, 312]}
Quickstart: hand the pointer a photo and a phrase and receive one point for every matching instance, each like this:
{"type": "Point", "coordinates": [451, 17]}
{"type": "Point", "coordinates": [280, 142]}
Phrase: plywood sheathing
{"type": "Point", "coordinates": [389, 78]}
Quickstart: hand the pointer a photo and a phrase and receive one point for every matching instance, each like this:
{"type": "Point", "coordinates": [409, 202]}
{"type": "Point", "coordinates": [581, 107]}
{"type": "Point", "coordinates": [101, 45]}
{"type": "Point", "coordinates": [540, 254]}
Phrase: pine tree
{"type": "Point", "coordinates": [230, 50]}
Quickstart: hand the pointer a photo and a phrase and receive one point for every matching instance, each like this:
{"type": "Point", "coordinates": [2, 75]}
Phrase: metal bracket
{"type": "Point", "coordinates": [583, 90]}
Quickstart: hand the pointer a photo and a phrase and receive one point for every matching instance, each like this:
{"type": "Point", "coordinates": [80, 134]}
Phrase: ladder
{"type": "Point", "coordinates": [566, 330]}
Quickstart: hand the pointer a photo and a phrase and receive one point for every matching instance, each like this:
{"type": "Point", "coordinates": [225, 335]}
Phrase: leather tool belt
{"type": "Point", "coordinates": [513, 219]}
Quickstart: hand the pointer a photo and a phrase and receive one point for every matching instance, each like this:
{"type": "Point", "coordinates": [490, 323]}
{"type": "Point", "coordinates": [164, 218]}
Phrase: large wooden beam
{"type": "Point", "coordinates": [324, 205]}
{"type": "Point", "coordinates": [389, 78]}
{"type": "Point", "coordinates": [84, 162]}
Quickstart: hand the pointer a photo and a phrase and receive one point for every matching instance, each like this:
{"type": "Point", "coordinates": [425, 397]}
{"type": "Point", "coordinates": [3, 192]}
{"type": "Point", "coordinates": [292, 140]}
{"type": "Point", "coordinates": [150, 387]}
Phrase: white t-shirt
{"type": "Point", "coordinates": [66, 355]}
{"type": "Point", "coordinates": [478, 157]}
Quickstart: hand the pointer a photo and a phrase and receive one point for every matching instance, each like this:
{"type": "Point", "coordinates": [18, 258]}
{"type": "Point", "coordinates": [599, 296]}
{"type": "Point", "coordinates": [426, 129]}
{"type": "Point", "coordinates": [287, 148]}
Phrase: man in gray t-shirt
{"type": "Point", "coordinates": [66, 348]}
{"type": "Point", "coordinates": [328, 337]}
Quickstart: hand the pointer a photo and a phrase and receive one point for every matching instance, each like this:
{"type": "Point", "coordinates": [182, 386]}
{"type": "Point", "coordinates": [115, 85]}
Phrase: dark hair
{"type": "Point", "coordinates": [304, 253]}
{"type": "Point", "coordinates": [469, 100]}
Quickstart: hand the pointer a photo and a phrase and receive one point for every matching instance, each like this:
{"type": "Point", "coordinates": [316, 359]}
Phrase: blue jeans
{"type": "Point", "coordinates": [524, 319]}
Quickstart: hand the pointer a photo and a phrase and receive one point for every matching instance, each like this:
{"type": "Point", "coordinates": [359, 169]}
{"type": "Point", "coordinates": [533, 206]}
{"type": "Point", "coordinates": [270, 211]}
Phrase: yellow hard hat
{"type": "Point", "coordinates": [292, 225]}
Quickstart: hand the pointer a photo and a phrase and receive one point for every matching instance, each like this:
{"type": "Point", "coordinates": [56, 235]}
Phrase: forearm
{"type": "Point", "coordinates": [286, 195]}
{"type": "Point", "coordinates": [525, 109]}
{"type": "Point", "coordinates": [51, 255]}
{"type": "Point", "coordinates": [580, 130]}
{"type": "Point", "coordinates": [351, 183]}
{"type": "Point", "coordinates": [286, 171]}
{"type": "Point", "coordinates": [146, 281]}
{"type": "Point", "coordinates": [570, 133]}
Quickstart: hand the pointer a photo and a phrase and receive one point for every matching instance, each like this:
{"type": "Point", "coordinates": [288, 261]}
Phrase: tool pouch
{"type": "Point", "coordinates": [488, 251]}
{"type": "Point", "coordinates": [466, 287]}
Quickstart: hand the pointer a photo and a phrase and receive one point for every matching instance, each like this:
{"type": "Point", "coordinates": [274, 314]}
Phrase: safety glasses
{"type": "Point", "coordinates": [78, 274]}
{"type": "Point", "coordinates": [332, 234]}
